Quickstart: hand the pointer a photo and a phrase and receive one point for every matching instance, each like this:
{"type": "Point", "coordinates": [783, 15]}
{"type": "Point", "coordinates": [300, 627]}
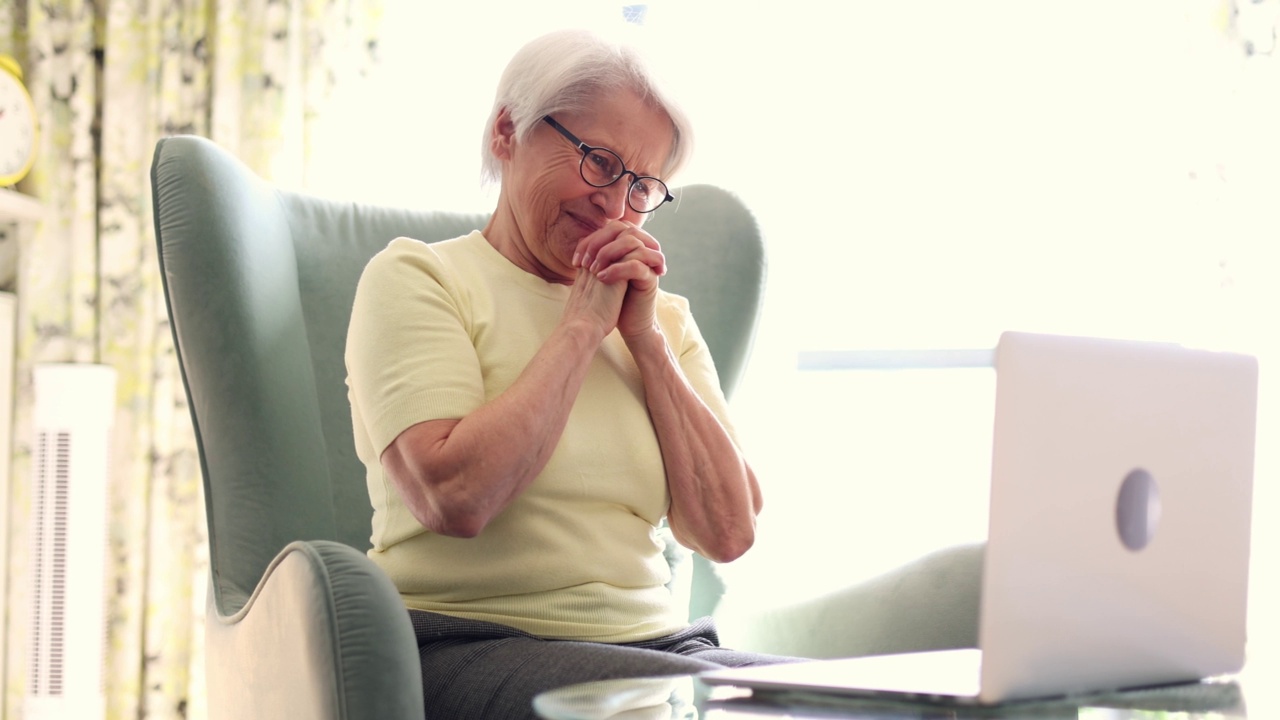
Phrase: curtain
{"type": "Point", "coordinates": [109, 78]}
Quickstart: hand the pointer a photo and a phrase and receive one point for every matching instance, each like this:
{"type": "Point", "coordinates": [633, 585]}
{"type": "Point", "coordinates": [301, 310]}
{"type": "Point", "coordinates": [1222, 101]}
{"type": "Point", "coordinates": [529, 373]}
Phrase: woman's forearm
{"type": "Point", "coordinates": [457, 475]}
{"type": "Point", "coordinates": [714, 494]}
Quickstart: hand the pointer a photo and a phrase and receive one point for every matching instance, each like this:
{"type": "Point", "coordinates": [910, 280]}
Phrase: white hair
{"type": "Point", "coordinates": [566, 71]}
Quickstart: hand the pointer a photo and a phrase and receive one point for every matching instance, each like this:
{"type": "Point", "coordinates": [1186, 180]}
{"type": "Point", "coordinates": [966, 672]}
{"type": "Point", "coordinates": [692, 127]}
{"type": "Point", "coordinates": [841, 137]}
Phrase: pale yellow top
{"type": "Point", "coordinates": [439, 329]}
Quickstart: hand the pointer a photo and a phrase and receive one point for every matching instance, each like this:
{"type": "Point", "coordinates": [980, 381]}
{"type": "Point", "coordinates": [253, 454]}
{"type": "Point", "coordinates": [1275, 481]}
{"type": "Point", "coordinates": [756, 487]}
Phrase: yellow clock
{"type": "Point", "coordinates": [17, 124]}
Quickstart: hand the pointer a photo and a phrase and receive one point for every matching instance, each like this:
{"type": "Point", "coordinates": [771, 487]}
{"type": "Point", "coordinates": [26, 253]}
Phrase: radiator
{"type": "Point", "coordinates": [73, 416]}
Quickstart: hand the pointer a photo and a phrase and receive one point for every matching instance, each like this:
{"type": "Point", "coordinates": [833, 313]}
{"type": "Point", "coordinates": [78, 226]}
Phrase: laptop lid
{"type": "Point", "coordinates": [1118, 545]}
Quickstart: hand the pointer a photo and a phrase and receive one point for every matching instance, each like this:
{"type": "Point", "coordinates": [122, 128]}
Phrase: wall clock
{"type": "Point", "coordinates": [17, 124]}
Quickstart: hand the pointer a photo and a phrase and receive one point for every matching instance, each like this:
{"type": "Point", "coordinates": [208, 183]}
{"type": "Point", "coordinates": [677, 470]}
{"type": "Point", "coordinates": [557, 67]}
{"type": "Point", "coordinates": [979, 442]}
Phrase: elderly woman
{"type": "Point", "coordinates": [530, 405]}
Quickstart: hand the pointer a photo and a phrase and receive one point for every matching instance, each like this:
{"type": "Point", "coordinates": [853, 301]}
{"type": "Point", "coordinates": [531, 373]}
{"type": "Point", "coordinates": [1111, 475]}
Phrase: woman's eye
{"type": "Point", "coordinates": [603, 164]}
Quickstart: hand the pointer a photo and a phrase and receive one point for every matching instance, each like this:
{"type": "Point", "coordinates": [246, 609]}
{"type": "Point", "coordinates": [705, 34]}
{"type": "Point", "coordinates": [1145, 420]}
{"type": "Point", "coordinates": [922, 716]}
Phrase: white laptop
{"type": "Point", "coordinates": [1118, 549]}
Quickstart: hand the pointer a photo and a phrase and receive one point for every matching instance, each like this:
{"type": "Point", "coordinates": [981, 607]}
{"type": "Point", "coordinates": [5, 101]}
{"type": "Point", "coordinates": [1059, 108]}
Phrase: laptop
{"type": "Point", "coordinates": [1117, 554]}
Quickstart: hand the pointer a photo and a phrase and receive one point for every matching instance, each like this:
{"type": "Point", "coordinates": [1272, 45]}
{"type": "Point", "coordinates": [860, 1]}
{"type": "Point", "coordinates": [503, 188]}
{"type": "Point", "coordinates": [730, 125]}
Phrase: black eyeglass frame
{"type": "Point", "coordinates": [635, 178]}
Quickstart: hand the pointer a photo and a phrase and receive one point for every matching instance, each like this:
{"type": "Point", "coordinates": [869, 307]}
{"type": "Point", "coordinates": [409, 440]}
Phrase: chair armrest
{"type": "Point", "coordinates": [929, 604]}
{"type": "Point", "coordinates": [324, 635]}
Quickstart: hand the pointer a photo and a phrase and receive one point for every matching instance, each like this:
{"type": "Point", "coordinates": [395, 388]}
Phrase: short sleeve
{"type": "Point", "coordinates": [410, 356]}
{"type": "Point", "coordinates": [696, 361]}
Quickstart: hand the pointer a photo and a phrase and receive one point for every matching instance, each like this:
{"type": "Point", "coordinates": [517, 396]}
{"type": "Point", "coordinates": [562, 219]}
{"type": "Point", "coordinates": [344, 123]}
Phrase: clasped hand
{"type": "Point", "coordinates": [617, 280]}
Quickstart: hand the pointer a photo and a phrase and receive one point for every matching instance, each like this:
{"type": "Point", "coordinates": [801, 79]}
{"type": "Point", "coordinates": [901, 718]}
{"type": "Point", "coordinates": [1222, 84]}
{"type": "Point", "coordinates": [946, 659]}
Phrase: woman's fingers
{"type": "Point", "coordinates": [627, 246]}
{"type": "Point", "coordinates": [611, 230]}
{"type": "Point", "coordinates": [616, 241]}
{"type": "Point", "coordinates": [622, 256]}
{"type": "Point", "coordinates": [639, 265]}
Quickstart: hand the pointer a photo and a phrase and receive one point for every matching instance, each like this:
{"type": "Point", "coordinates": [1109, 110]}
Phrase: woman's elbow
{"type": "Point", "coordinates": [721, 547]}
{"type": "Point", "coordinates": [436, 492]}
{"type": "Point", "coordinates": [728, 552]}
{"type": "Point", "coordinates": [439, 505]}
{"type": "Point", "coordinates": [449, 513]}
{"type": "Point", "coordinates": [459, 526]}
{"type": "Point", "coordinates": [730, 549]}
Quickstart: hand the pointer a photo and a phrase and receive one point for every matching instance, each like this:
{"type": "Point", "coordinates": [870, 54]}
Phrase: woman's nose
{"type": "Point", "coordinates": [612, 199]}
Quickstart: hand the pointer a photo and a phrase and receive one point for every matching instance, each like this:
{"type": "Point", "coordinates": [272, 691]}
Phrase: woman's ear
{"type": "Point", "coordinates": [502, 135]}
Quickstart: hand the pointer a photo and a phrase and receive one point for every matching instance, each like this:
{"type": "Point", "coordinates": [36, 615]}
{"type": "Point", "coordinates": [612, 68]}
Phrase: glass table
{"type": "Point", "coordinates": [687, 698]}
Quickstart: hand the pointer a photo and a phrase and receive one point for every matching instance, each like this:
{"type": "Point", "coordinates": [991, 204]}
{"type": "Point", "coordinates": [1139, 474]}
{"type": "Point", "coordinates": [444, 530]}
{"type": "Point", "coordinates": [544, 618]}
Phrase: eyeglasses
{"type": "Point", "coordinates": [602, 167]}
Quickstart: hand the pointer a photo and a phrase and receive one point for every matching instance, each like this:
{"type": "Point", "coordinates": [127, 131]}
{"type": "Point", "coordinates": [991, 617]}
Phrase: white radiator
{"type": "Point", "coordinates": [74, 412]}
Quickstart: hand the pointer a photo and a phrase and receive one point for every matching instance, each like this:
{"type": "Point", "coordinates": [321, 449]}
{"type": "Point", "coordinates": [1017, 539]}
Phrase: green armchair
{"type": "Point", "coordinates": [259, 284]}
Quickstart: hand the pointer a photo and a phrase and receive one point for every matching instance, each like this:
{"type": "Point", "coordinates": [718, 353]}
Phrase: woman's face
{"type": "Point", "coordinates": [551, 206]}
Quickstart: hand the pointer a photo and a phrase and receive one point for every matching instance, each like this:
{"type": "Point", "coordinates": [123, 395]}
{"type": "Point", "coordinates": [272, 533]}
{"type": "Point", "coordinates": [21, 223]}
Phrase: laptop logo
{"type": "Point", "coordinates": [1137, 509]}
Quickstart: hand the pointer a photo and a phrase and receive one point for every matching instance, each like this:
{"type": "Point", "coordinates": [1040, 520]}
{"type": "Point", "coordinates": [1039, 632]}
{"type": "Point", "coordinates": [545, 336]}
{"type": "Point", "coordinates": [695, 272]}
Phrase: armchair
{"type": "Point", "coordinates": [259, 284]}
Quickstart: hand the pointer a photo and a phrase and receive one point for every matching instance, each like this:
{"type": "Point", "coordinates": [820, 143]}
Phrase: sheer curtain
{"type": "Point", "coordinates": [108, 79]}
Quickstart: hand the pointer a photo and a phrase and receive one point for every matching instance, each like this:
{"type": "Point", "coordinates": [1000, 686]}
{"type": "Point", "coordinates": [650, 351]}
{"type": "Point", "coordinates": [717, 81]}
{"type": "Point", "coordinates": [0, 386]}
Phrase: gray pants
{"type": "Point", "coordinates": [473, 670]}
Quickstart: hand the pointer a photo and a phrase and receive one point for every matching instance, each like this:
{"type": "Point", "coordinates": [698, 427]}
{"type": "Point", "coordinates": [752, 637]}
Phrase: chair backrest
{"type": "Point", "coordinates": [259, 282]}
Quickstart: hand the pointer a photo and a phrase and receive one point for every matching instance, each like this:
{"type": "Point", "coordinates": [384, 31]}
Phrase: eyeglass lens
{"type": "Point", "coordinates": [601, 167]}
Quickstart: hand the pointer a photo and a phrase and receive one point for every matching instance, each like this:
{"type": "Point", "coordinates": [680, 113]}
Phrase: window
{"type": "Point", "coordinates": [929, 174]}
